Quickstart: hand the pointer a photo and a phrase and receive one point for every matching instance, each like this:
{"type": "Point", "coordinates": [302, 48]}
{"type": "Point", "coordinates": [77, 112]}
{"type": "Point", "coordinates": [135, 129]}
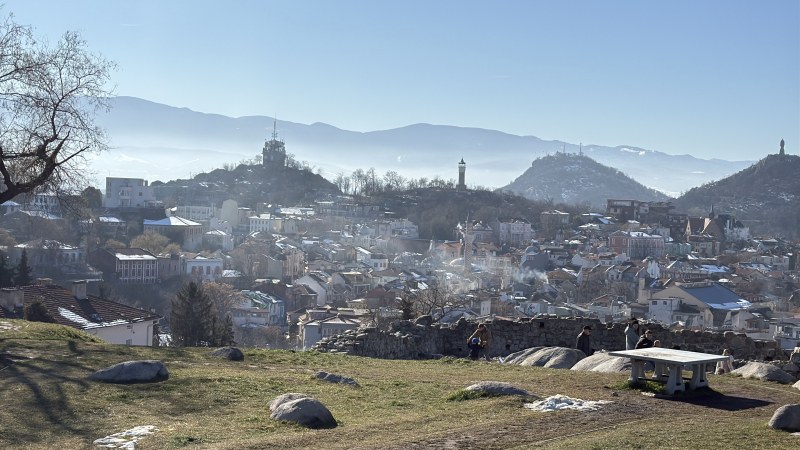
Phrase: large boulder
{"type": "Point", "coordinates": [764, 372]}
{"type": "Point", "coordinates": [796, 385]}
{"type": "Point", "coordinates": [787, 418]}
{"type": "Point", "coordinates": [128, 372]}
{"type": "Point", "coordinates": [552, 357]}
{"type": "Point", "coordinates": [283, 398]}
{"type": "Point", "coordinates": [602, 362]}
{"type": "Point", "coordinates": [306, 411]}
{"type": "Point", "coordinates": [332, 378]}
{"type": "Point", "coordinates": [229, 353]}
{"type": "Point", "coordinates": [497, 388]}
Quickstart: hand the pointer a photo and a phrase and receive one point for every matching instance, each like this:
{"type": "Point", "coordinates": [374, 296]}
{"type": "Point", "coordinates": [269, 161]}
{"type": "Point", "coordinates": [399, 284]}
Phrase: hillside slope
{"type": "Point", "coordinates": [248, 185]}
{"type": "Point", "coordinates": [207, 402]}
{"type": "Point", "coordinates": [764, 196]}
{"type": "Point", "coordinates": [577, 179]}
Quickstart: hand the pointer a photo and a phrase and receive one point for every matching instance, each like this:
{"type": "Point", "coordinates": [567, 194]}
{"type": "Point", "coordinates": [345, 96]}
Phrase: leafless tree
{"type": "Point", "coordinates": [48, 97]}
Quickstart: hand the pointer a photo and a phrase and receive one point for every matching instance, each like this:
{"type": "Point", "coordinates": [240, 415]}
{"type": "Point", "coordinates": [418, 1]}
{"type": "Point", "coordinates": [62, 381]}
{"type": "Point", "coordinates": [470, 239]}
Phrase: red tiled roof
{"type": "Point", "coordinates": [92, 312]}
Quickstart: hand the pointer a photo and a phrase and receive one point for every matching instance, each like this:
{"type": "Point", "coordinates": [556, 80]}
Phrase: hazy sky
{"type": "Point", "coordinates": [713, 78]}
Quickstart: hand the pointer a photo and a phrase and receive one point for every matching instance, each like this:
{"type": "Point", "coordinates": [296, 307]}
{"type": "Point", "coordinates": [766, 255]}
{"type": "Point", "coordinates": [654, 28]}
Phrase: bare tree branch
{"type": "Point", "coordinates": [48, 98]}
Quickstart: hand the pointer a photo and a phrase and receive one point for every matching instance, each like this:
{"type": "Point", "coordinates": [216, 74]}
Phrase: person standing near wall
{"type": "Point", "coordinates": [484, 337]}
{"type": "Point", "coordinates": [632, 332]}
{"type": "Point", "coordinates": [584, 341]}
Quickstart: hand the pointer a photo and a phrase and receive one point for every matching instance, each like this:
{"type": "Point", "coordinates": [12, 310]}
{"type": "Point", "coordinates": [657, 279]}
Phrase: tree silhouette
{"type": "Point", "coordinates": [6, 272]}
{"type": "Point", "coordinates": [192, 322]}
{"type": "Point", "coordinates": [24, 273]}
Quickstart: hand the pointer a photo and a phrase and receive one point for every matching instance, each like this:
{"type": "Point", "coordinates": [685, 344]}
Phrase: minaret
{"type": "Point", "coordinates": [462, 168]}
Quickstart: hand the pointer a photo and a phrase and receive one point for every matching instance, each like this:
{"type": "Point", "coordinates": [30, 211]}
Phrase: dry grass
{"type": "Point", "coordinates": [213, 403]}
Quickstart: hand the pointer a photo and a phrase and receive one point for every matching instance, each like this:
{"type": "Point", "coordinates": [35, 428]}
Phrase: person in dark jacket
{"type": "Point", "coordinates": [584, 341]}
{"type": "Point", "coordinates": [646, 340]}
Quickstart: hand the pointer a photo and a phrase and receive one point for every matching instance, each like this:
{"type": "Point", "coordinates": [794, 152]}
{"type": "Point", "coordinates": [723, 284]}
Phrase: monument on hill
{"type": "Point", "coordinates": [274, 152]}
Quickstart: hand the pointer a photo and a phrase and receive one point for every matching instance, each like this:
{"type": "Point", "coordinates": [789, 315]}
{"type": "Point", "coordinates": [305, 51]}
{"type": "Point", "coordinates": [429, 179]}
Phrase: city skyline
{"type": "Point", "coordinates": [713, 79]}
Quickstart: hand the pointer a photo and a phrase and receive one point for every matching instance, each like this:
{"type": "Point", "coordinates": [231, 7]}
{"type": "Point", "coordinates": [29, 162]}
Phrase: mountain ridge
{"type": "Point", "coordinates": [418, 150]}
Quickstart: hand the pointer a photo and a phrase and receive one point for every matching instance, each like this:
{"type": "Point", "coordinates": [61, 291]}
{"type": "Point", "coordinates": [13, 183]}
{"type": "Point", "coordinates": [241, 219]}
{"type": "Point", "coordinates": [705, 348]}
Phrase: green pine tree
{"type": "Point", "coordinates": [191, 321]}
{"type": "Point", "coordinates": [223, 332]}
{"type": "Point", "coordinates": [6, 273]}
{"type": "Point", "coordinates": [24, 273]}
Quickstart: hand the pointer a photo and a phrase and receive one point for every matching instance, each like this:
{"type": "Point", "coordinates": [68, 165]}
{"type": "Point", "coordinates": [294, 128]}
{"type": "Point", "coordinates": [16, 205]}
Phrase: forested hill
{"type": "Point", "coordinates": [248, 184]}
{"type": "Point", "coordinates": [574, 179]}
{"type": "Point", "coordinates": [764, 196]}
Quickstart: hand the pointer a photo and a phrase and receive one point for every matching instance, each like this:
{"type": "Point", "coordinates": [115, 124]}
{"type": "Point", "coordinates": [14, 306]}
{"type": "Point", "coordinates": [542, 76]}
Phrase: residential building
{"type": "Point", "coordinates": [195, 213]}
{"type": "Point", "coordinates": [188, 234]}
{"type": "Point", "coordinates": [552, 222]}
{"type": "Point", "coordinates": [110, 321]}
{"type": "Point", "coordinates": [514, 231]}
{"type": "Point", "coordinates": [715, 302]}
{"type": "Point", "coordinates": [636, 244]}
{"type": "Point", "coordinates": [201, 268]}
{"type": "Point", "coordinates": [266, 222]}
{"type": "Point", "coordinates": [129, 193]}
{"type": "Point", "coordinates": [127, 265]}
{"type": "Point", "coordinates": [260, 309]}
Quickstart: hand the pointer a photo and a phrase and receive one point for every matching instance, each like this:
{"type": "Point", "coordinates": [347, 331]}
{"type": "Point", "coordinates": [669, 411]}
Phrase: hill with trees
{"type": "Point", "coordinates": [577, 179]}
{"type": "Point", "coordinates": [248, 184]}
{"type": "Point", "coordinates": [764, 196]}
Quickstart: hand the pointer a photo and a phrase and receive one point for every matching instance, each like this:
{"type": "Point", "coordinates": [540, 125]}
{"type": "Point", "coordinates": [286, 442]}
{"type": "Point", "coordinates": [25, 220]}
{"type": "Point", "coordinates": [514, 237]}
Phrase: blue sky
{"type": "Point", "coordinates": [710, 78]}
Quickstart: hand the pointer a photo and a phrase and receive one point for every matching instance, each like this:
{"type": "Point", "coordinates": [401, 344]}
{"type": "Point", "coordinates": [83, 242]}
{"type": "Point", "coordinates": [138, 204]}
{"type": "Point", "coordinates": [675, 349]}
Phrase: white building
{"type": "Point", "coordinates": [260, 310]}
{"type": "Point", "coordinates": [266, 222]}
{"type": "Point", "coordinates": [204, 269]}
{"type": "Point", "coordinates": [129, 193]}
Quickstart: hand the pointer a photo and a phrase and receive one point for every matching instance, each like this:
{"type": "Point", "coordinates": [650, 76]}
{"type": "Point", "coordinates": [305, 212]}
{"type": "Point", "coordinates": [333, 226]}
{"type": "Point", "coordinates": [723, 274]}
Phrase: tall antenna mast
{"type": "Point", "coordinates": [275, 128]}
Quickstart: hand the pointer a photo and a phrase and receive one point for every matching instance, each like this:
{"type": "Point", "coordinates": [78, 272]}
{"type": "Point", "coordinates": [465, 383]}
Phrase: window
{"type": "Point", "coordinates": [655, 302]}
{"type": "Point", "coordinates": [129, 342]}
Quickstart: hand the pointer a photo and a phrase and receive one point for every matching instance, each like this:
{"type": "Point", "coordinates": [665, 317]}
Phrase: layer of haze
{"type": "Point", "coordinates": [711, 78]}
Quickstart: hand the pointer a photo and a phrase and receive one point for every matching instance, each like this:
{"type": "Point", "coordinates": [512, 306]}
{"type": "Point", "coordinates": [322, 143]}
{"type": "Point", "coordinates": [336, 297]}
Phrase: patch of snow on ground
{"type": "Point", "coordinates": [559, 402]}
{"type": "Point", "coordinates": [125, 439]}
{"type": "Point", "coordinates": [8, 326]}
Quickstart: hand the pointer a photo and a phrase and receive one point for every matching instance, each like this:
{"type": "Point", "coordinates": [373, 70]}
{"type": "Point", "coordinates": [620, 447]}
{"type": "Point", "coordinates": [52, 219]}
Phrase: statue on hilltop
{"type": "Point", "coordinates": [782, 151]}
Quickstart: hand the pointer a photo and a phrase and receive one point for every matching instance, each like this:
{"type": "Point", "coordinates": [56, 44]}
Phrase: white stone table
{"type": "Point", "coordinates": [669, 366]}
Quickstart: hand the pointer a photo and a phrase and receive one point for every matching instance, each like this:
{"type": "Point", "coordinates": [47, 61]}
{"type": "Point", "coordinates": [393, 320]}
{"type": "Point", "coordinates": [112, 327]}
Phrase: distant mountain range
{"type": "Point", "coordinates": [160, 142]}
{"type": "Point", "coordinates": [574, 179]}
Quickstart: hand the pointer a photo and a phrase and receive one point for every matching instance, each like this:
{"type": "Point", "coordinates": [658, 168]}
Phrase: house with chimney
{"type": "Point", "coordinates": [110, 321]}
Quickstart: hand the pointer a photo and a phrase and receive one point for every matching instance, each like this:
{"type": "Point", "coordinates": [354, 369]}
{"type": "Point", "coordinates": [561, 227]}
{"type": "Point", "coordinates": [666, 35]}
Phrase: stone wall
{"type": "Point", "coordinates": [422, 339]}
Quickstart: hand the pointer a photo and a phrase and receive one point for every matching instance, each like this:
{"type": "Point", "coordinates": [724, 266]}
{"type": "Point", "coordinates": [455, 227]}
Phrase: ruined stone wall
{"type": "Point", "coordinates": [421, 339]}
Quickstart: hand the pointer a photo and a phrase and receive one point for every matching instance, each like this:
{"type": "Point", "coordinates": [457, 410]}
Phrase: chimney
{"type": "Point", "coordinates": [43, 281]}
{"type": "Point", "coordinates": [79, 289]}
{"type": "Point", "coordinates": [11, 298]}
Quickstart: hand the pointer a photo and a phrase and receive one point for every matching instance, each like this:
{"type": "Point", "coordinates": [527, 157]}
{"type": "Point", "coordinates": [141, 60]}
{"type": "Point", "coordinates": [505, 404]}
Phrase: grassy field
{"type": "Point", "coordinates": [47, 402]}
